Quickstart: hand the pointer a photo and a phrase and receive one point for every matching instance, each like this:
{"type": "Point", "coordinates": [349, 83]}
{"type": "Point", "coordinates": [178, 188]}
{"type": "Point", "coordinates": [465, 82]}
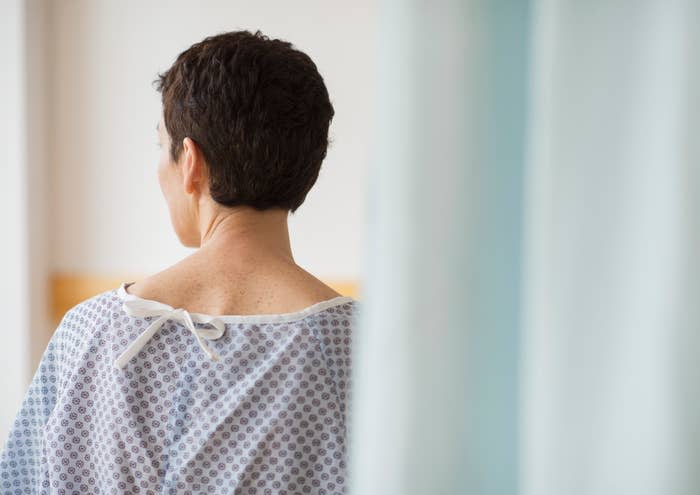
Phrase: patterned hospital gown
{"type": "Point", "coordinates": [134, 396]}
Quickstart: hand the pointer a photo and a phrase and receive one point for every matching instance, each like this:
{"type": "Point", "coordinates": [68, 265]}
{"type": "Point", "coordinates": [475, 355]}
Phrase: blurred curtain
{"type": "Point", "coordinates": [531, 319]}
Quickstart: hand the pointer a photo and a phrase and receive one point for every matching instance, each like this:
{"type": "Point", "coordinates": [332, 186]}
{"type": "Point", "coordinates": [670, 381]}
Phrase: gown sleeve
{"type": "Point", "coordinates": [23, 468]}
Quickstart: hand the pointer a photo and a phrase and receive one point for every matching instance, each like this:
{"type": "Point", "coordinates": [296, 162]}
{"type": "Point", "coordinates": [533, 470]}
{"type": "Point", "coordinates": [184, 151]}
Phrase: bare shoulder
{"type": "Point", "coordinates": [266, 290]}
{"type": "Point", "coordinates": [315, 288]}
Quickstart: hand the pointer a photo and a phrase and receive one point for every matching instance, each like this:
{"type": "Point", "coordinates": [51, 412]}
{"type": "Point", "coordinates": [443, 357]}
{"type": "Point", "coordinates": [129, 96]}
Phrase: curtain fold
{"type": "Point", "coordinates": [436, 396]}
{"type": "Point", "coordinates": [612, 226]}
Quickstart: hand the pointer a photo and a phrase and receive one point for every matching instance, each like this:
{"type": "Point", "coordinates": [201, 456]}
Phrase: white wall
{"type": "Point", "coordinates": [109, 214]}
{"type": "Point", "coordinates": [14, 354]}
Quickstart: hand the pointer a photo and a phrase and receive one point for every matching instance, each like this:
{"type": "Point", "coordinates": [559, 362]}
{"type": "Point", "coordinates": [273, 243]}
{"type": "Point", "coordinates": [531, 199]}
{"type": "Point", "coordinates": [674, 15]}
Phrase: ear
{"type": "Point", "coordinates": [193, 166]}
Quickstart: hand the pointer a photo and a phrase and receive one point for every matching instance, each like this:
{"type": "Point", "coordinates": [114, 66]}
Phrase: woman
{"type": "Point", "coordinates": [228, 372]}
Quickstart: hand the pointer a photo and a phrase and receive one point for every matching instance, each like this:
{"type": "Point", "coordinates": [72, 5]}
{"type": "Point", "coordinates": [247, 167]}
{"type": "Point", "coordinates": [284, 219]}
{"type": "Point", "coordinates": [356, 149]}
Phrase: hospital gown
{"type": "Point", "coordinates": [134, 396]}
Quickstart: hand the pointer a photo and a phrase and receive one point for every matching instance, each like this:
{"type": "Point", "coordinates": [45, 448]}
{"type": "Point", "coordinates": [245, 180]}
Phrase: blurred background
{"type": "Point", "coordinates": [512, 192]}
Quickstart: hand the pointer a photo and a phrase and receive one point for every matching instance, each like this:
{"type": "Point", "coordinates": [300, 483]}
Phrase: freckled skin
{"type": "Point", "coordinates": [243, 263]}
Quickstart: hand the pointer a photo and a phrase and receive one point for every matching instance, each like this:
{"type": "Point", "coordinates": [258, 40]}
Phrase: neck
{"type": "Point", "coordinates": [244, 233]}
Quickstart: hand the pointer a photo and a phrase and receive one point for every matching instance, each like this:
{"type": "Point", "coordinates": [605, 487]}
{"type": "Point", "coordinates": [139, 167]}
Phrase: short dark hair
{"type": "Point", "coordinates": [259, 111]}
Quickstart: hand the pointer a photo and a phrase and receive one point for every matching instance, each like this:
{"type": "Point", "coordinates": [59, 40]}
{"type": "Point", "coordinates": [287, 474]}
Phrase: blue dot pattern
{"type": "Point", "coordinates": [268, 418]}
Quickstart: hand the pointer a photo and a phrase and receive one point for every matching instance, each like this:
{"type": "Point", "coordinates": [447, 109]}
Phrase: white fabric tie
{"type": "Point", "coordinates": [144, 308]}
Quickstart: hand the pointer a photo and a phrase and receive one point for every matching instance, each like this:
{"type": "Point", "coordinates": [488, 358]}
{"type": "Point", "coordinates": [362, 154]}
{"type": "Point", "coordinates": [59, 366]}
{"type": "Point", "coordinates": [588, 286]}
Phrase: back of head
{"type": "Point", "coordinates": [260, 112]}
